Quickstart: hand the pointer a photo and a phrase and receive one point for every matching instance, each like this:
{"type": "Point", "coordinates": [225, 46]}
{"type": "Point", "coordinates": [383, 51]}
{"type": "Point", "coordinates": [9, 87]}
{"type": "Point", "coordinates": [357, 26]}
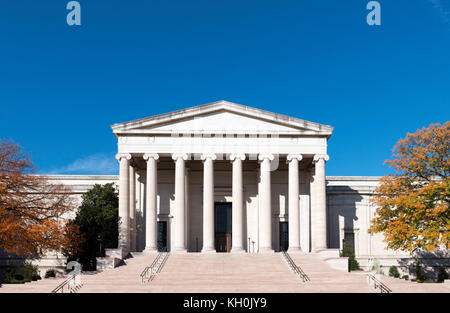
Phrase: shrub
{"type": "Point", "coordinates": [50, 273]}
{"type": "Point", "coordinates": [10, 274]}
{"type": "Point", "coordinates": [347, 251]}
{"type": "Point", "coordinates": [405, 277]}
{"type": "Point", "coordinates": [16, 275]}
{"type": "Point", "coordinates": [353, 265]}
{"type": "Point", "coordinates": [393, 271]}
{"type": "Point", "coordinates": [30, 272]}
{"type": "Point", "coordinates": [442, 275]}
{"type": "Point", "coordinates": [420, 276]}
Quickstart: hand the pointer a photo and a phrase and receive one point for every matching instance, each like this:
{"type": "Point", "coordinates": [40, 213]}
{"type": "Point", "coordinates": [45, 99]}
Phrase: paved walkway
{"type": "Point", "coordinates": [222, 272]}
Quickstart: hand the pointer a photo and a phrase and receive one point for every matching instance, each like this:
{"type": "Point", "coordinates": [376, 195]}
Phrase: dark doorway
{"type": "Point", "coordinates": [284, 236]}
{"type": "Point", "coordinates": [162, 236]}
{"type": "Point", "coordinates": [223, 226]}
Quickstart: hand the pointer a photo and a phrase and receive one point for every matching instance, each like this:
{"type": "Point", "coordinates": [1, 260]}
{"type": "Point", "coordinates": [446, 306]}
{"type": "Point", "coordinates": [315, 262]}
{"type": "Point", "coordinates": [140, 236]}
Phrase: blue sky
{"type": "Point", "coordinates": [61, 87]}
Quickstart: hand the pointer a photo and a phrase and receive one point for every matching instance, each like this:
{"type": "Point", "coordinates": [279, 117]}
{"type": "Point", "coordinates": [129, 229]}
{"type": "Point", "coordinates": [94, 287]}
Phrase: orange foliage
{"type": "Point", "coordinates": [413, 205]}
{"type": "Point", "coordinates": [31, 208]}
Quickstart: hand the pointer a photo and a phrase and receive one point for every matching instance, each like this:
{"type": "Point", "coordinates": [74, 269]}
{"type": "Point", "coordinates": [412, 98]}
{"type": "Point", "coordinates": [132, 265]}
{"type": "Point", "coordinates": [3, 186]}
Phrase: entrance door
{"type": "Point", "coordinates": [223, 226]}
{"type": "Point", "coordinates": [284, 236]}
{"type": "Point", "coordinates": [162, 236]}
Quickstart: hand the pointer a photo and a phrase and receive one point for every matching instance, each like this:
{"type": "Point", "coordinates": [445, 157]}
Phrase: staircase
{"type": "Point", "coordinates": [407, 286]}
{"type": "Point", "coordinates": [225, 273]}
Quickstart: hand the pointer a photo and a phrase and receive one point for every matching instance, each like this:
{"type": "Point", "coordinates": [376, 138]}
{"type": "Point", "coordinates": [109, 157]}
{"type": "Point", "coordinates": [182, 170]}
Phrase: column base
{"type": "Point", "coordinates": [237, 250]}
{"type": "Point", "coordinates": [294, 250]}
{"type": "Point", "coordinates": [208, 250]}
{"type": "Point", "coordinates": [150, 250]}
{"type": "Point", "coordinates": [178, 250]}
{"type": "Point", "coordinates": [266, 250]}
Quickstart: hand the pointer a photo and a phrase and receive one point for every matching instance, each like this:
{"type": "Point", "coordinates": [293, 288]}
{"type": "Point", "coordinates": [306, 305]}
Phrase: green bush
{"type": "Point", "coordinates": [393, 271]}
{"type": "Point", "coordinates": [353, 265]}
{"type": "Point", "coordinates": [347, 251]}
{"type": "Point", "coordinates": [420, 276]}
{"type": "Point", "coordinates": [22, 274]}
{"type": "Point", "coordinates": [10, 275]}
{"type": "Point", "coordinates": [442, 275]}
{"type": "Point", "coordinates": [30, 272]}
{"type": "Point", "coordinates": [50, 273]}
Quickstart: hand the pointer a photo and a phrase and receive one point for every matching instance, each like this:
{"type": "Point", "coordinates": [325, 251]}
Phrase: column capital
{"type": "Point", "coordinates": [211, 156]}
{"type": "Point", "coordinates": [235, 156]}
{"type": "Point", "coordinates": [318, 157]}
{"type": "Point", "coordinates": [177, 156]}
{"type": "Point", "coordinates": [264, 156]}
{"type": "Point", "coordinates": [120, 156]}
{"type": "Point", "coordinates": [149, 156]}
{"type": "Point", "coordinates": [291, 157]}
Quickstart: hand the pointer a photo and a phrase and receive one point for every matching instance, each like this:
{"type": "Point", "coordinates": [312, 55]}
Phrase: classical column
{"type": "Point", "coordinates": [179, 216]}
{"type": "Point", "coordinates": [237, 206]}
{"type": "Point", "coordinates": [208, 202]}
{"type": "Point", "coordinates": [132, 208]}
{"type": "Point", "coordinates": [151, 204]}
{"type": "Point", "coordinates": [186, 208]}
{"type": "Point", "coordinates": [124, 201]}
{"type": "Point", "coordinates": [294, 200]}
{"type": "Point", "coordinates": [319, 211]}
{"type": "Point", "coordinates": [265, 204]}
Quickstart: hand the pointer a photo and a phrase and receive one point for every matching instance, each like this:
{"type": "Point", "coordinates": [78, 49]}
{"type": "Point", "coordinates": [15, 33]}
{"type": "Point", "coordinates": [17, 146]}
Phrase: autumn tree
{"type": "Point", "coordinates": [413, 205]}
{"type": "Point", "coordinates": [32, 210]}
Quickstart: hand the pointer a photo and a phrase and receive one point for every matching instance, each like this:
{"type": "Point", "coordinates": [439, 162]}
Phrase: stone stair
{"type": "Point", "coordinates": [407, 286]}
{"type": "Point", "coordinates": [40, 286]}
{"type": "Point", "coordinates": [226, 273]}
{"type": "Point", "coordinates": [325, 278]}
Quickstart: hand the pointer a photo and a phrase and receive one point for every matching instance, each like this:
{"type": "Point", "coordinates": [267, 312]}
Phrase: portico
{"type": "Point", "coordinates": [177, 167]}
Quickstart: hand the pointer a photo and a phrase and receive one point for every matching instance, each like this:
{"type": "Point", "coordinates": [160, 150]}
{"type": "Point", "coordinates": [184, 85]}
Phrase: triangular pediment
{"type": "Point", "coordinates": [222, 117]}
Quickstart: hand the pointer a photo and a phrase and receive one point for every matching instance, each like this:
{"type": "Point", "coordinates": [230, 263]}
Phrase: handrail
{"type": "Point", "coordinates": [297, 269]}
{"type": "Point", "coordinates": [72, 282]}
{"type": "Point", "coordinates": [378, 284]}
{"type": "Point", "coordinates": [149, 273]}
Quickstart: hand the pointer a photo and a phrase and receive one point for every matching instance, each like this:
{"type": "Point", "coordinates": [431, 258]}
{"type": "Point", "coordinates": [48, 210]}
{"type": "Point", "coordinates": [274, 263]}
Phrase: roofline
{"type": "Point", "coordinates": [218, 105]}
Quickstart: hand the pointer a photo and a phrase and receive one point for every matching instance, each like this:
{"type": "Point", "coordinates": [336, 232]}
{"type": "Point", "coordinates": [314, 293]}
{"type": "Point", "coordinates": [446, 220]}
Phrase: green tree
{"type": "Point", "coordinates": [97, 219]}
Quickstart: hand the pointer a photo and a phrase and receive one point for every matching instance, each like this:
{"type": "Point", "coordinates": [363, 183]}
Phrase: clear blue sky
{"type": "Point", "coordinates": [62, 87]}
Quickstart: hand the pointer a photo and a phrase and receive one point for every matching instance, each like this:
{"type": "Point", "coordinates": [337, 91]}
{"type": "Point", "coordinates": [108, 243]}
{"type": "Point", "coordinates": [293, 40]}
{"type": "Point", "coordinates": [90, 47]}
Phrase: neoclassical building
{"type": "Point", "coordinates": [224, 177]}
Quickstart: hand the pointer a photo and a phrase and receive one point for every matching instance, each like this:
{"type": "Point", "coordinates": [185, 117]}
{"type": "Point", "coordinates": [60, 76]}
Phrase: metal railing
{"type": "Point", "coordinates": [378, 284]}
{"type": "Point", "coordinates": [71, 284]}
{"type": "Point", "coordinates": [297, 270]}
{"type": "Point", "coordinates": [150, 272]}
